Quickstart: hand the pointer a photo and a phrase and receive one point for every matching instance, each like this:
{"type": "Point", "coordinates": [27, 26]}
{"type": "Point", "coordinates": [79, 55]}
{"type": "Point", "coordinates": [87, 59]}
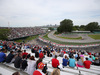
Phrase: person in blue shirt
{"type": "Point", "coordinates": [90, 58]}
{"type": "Point", "coordinates": [2, 55]}
{"type": "Point", "coordinates": [65, 61]}
{"type": "Point", "coordinates": [72, 62]}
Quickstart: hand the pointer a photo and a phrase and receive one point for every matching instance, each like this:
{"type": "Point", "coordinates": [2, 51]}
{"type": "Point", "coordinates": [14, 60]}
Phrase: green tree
{"type": "Point", "coordinates": [92, 26]}
{"type": "Point", "coordinates": [75, 27]}
{"type": "Point", "coordinates": [82, 27]}
{"type": "Point", "coordinates": [65, 26]}
{"type": "Point", "coordinates": [4, 34]}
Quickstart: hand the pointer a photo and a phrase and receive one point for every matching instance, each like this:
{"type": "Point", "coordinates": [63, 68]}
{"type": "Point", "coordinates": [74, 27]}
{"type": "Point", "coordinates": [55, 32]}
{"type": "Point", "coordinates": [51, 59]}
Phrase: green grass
{"type": "Point", "coordinates": [78, 38]}
{"type": "Point", "coordinates": [27, 39]}
{"type": "Point", "coordinates": [96, 36]}
{"type": "Point", "coordinates": [66, 43]}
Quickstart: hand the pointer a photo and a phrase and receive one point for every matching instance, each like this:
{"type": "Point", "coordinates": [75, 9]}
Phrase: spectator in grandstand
{"type": "Point", "coordinates": [55, 72]}
{"type": "Point", "coordinates": [97, 61]}
{"type": "Point", "coordinates": [37, 62]}
{"type": "Point", "coordinates": [65, 61]}
{"type": "Point", "coordinates": [16, 73]}
{"type": "Point", "coordinates": [2, 55]}
{"type": "Point", "coordinates": [87, 63]}
{"type": "Point", "coordinates": [80, 63]}
{"type": "Point", "coordinates": [24, 63]}
{"type": "Point", "coordinates": [78, 57]}
{"type": "Point", "coordinates": [18, 61]}
{"type": "Point", "coordinates": [10, 57]}
{"type": "Point", "coordinates": [93, 57]}
{"type": "Point", "coordinates": [41, 55]}
{"type": "Point", "coordinates": [1, 46]}
{"type": "Point", "coordinates": [90, 59]}
{"type": "Point", "coordinates": [39, 70]}
{"type": "Point", "coordinates": [72, 62]}
{"type": "Point", "coordinates": [31, 65]}
{"type": "Point", "coordinates": [37, 54]}
{"type": "Point", "coordinates": [55, 62]}
{"type": "Point", "coordinates": [25, 53]}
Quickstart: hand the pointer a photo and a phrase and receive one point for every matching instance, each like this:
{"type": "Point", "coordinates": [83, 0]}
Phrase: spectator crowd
{"type": "Point", "coordinates": [25, 61]}
{"type": "Point", "coordinates": [19, 32]}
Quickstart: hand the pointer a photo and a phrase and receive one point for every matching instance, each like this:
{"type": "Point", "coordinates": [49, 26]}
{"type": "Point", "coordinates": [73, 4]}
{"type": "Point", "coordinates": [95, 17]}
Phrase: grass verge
{"type": "Point", "coordinates": [96, 36]}
{"type": "Point", "coordinates": [66, 43]}
{"type": "Point", "coordinates": [27, 38]}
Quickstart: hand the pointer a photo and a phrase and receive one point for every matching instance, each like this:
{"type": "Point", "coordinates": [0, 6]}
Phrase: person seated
{"type": "Point", "coordinates": [41, 55]}
{"type": "Point", "coordinates": [24, 63]}
{"type": "Point", "coordinates": [18, 61]}
{"type": "Point", "coordinates": [72, 62]}
{"type": "Point", "coordinates": [87, 63]}
{"type": "Point", "coordinates": [2, 55]}
{"type": "Point", "coordinates": [80, 63]}
{"type": "Point", "coordinates": [55, 62]}
{"type": "Point", "coordinates": [90, 59]}
{"type": "Point", "coordinates": [16, 73]}
{"type": "Point", "coordinates": [24, 53]}
{"type": "Point", "coordinates": [96, 61]}
{"type": "Point", "coordinates": [10, 57]}
{"type": "Point", "coordinates": [55, 72]}
{"type": "Point", "coordinates": [37, 54]}
{"type": "Point", "coordinates": [31, 65]}
{"type": "Point", "coordinates": [39, 70]}
{"type": "Point", "coordinates": [65, 61]}
{"type": "Point", "coordinates": [37, 62]}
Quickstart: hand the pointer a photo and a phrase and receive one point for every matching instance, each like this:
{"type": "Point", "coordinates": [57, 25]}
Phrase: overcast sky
{"type": "Point", "coordinates": [20, 13]}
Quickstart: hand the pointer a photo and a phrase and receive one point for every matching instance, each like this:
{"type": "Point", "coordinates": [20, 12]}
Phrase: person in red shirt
{"type": "Point", "coordinates": [41, 55]}
{"type": "Point", "coordinates": [55, 62]}
{"type": "Point", "coordinates": [24, 53]}
{"type": "Point", "coordinates": [87, 63]}
{"type": "Point", "coordinates": [39, 70]}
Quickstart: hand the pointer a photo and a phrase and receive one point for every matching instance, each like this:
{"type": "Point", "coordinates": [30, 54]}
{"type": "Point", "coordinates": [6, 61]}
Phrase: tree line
{"type": "Point", "coordinates": [67, 26]}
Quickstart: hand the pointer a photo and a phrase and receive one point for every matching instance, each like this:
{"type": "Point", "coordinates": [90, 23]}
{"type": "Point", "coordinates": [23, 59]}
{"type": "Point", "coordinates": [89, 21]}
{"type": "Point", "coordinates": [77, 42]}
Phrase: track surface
{"type": "Point", "coordinates": [85, 39]}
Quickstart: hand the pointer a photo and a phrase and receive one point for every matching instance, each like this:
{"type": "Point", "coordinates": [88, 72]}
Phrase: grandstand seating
{"type": "Point", "coordinates": [94, 70]}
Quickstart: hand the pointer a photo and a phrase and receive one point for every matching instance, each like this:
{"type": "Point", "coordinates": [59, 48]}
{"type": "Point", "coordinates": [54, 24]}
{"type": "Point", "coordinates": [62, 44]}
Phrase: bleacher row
{"type": "Point", "coordinates": [94, 70]}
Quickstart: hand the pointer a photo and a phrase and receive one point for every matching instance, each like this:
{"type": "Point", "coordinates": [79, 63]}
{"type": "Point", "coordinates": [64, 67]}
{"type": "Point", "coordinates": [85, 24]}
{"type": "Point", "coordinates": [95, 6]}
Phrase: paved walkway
{"type": "Point", "coordinates": [85, 39]}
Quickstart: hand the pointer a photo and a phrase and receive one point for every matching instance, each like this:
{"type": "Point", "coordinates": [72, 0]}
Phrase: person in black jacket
{"type": "Point", "coordinates": [18, 61]}
{"type": "Point", "coordinates": [24, 63]}
{"type": "Point", "coordinates": [36, 54]}
{"type": "Point", "coordinates": [9, 57]}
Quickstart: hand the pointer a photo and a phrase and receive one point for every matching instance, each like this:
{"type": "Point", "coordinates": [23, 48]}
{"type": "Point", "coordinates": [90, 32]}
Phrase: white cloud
{"type": "Point", "coordinates": [42, 12]}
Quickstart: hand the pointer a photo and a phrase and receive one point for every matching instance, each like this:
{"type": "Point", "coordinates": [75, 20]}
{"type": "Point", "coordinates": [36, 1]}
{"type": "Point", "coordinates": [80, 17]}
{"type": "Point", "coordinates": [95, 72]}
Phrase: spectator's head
{"type": "Point", "coordinates": [56, 72]}
{"type": "Point", "coordinates": [65, 57]}
{"type": "Point", "coordinates": [24, 56]}
{"type": "Point", "coordinates": [40, 65]}
{"type": "Point", "coordinates": [86, 58]}
{"type": "Point", "coordinates": [3, 50]}
{"type": "Point", "coordinates": [16, 73]}
{"type": "Point", "coordinates": [24, 50]}
{"type": "Point", "coordinates": [11, 52]}
{"type": "Point", "coordinates": [90, 56]}
{"type": "Point", "coordinates": [32, 58]}
{"type": "Point", "coordinates": [55, 56]}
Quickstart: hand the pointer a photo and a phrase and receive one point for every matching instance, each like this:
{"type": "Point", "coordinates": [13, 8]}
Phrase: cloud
{"type": "Point", "coordinates": [43, 12]}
